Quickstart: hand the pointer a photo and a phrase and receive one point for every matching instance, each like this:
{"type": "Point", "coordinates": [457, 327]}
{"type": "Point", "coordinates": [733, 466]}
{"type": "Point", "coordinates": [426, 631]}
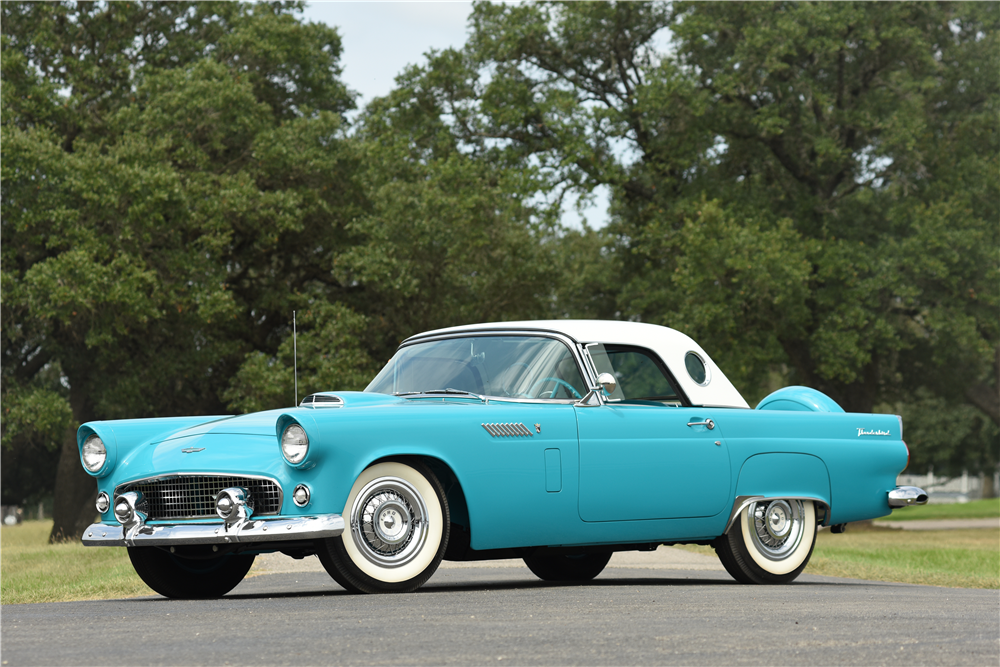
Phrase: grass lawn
{"type": "Point", "coordinates": [977, 509]}
{"type": "Point", "coordinates": [953, 558]}
{"type": "Point", "coordinates": [32, 570]}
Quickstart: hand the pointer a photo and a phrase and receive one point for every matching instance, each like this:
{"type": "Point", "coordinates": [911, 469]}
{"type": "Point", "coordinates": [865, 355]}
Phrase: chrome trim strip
{"type": "Point", "coordinates": [177, 475]}
{"type": "Point", "coordinates": [904, 496]}
{"type": "Point", "coordinates": [261, 530]}
{"type": "Point", "coordinates": [742, 501]}
{"type": "Point", "coordinates": [322, 400]}
{"type": "Point", "coordinates": [510, 429]}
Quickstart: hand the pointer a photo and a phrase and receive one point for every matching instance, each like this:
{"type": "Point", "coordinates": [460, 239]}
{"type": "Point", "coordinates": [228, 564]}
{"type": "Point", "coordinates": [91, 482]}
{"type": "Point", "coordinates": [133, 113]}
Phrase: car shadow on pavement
{"type": "Point", "coordinates": [438, 587]}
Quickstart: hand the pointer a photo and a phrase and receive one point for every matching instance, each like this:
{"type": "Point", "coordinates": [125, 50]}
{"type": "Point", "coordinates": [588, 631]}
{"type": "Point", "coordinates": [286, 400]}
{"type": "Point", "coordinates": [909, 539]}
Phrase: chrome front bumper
{"type": "Point", "coordinates": [904, 496]}
{"type": "Point", "coordinates": [259, 530]}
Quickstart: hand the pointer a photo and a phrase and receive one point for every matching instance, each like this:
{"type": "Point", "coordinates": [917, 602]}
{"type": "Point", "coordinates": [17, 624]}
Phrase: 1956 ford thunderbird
{"type": "Point", "coordinates": [557, 442]}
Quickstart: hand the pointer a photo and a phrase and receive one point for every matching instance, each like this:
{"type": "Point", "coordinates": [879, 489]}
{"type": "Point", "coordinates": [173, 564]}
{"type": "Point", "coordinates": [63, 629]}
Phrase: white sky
{"type": "Point", "coordinates": [381, 38]}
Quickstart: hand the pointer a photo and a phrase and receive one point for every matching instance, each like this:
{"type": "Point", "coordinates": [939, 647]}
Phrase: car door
{"type": "Point", "coordinates": [644, 455]}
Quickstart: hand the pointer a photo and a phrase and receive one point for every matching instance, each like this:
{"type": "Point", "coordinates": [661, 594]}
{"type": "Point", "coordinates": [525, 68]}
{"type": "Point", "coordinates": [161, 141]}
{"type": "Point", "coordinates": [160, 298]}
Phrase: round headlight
{"type": "Point", "coordinates": [294, 444]}
{"type": "Point", "coordinates": [94, 454]}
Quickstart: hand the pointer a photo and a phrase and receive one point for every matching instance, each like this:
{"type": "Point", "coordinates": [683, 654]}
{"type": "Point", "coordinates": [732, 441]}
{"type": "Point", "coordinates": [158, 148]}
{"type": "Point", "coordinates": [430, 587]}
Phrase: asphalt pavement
{"type": "Point", "coordinates": [661, 608]}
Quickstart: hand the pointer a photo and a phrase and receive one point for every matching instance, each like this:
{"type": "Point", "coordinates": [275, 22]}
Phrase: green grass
{"type": "Point", "coordinates": [32, 570]}
{"type": "Point", "coordinates": [953, 558]}
{"type": "Point", "coordinates": [977, 509]}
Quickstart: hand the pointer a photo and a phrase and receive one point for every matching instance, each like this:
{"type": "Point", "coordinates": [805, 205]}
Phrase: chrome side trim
{"type": "Point", "coordinates": [507, 429]}
{"type": "Point", "coordinates": [904, 496]}
{"type": "Point", "coordinates": [263, 530]}
{"type": "Point", "coordinates": [742, 502]}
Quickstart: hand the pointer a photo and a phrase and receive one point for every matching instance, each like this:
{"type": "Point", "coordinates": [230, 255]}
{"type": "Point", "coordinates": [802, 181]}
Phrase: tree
{"type": "Point", "coordinates": [178, 179]}
{"type": "Point", "coordinates": [162, 166]}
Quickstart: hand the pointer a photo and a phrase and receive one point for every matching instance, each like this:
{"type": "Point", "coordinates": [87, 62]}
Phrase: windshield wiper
{"type": "Point", "coordinates": [449, 390]}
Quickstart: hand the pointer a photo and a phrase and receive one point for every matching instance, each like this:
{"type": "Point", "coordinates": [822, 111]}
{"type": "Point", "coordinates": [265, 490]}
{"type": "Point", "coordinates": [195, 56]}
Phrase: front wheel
{"type": "Point", "coordinates": [770, 543]}
{"type": "Point", "coordinates": [173, 576]}
{"type": "Point", "coordinates": [574, 567]}
{"type": "Point", "coordinates": [397, 533]}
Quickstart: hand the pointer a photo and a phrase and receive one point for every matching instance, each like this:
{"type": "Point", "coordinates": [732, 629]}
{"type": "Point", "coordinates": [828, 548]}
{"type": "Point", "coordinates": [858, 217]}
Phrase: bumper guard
{"type": "Point", "coordinates": [260, 530]}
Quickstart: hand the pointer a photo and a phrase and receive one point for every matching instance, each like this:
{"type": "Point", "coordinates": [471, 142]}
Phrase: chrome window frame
{"type": "Point", "coordinates": [575, 348]}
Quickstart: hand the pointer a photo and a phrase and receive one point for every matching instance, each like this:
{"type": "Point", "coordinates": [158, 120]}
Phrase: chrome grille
{"type": "Point", "coordinates": [193, 496]}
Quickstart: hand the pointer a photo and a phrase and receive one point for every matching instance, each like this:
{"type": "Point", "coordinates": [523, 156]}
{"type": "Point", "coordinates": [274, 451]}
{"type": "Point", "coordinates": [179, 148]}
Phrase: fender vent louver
{"type": "Point", "coordinates": [322, 401]}
{"type": "Point", "coordinates": [509, 429]}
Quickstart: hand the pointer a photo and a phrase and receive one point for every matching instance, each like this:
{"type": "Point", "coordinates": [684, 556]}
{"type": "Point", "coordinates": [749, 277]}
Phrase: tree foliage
{"type": "Point", "coordinates": [177, 180]}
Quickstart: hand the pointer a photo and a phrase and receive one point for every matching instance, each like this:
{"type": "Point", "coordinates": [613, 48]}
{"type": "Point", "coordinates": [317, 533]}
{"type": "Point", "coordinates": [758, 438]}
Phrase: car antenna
{"type": "Point", "coordinates": [295, 359]}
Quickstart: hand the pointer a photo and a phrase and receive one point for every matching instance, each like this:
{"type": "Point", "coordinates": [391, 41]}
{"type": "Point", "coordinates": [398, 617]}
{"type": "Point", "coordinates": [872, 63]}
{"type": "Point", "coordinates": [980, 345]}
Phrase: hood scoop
{"type": "Point", "coordinates": [322, 401]}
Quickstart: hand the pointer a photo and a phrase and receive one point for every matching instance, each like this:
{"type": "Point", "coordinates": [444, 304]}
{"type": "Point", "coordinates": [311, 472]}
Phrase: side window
{"type": "Point", "coordinates": [639, 372]}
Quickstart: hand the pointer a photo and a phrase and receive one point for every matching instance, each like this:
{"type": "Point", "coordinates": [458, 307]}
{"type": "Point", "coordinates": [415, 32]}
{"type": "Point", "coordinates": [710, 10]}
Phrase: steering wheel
{"type": "Point", "coordinates": [563, 383]}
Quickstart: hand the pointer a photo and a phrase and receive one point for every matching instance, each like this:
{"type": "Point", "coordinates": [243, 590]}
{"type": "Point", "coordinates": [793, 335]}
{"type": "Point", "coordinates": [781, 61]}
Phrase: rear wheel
{"type": "Point", "coordinates": [770, 542]}
{"type": "Point", "coordinates": [397, 533]}
{"type": "Point", "coordinates": [574, 567]}
{"type": "Point", "coordinates": [173, 576]}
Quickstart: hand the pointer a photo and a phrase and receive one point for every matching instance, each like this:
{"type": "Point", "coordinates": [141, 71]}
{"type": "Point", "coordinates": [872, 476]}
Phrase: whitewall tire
{"type": "Point", "coordinates": [397, 531]}
{"type": "Point", "coordinates": [770, 542]}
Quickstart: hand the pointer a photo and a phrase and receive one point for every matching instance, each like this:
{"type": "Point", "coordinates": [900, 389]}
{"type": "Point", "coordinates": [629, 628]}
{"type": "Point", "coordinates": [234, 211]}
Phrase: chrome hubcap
{"type": "Point", "coordinates": [389, 522]}
{"type": "Point", "coordinates": [777, 527]}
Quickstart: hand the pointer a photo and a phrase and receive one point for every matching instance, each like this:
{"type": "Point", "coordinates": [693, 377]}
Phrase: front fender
{"type": "Point", "coordinates": [123, 435]}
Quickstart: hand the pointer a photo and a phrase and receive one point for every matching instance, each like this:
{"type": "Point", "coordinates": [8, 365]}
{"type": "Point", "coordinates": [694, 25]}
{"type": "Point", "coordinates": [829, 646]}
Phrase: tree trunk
{"type": "Point", "coordinates": [76, 491]}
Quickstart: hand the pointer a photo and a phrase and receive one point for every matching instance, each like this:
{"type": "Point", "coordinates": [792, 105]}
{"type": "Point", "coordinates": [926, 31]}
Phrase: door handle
{"type": "Point", "coordinates": [708, 422]}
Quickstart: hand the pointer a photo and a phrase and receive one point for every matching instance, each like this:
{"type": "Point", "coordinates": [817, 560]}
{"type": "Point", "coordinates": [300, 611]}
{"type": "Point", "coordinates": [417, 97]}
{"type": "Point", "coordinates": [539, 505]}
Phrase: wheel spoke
{"type": "Point", "coordinates": [777, 527]}
{"type": "Point", "coordinates": [391, 524]}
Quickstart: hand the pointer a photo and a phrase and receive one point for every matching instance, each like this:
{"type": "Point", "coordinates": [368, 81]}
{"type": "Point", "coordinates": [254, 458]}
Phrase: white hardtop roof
{"type": "Point", "coordinates": [669, 344]}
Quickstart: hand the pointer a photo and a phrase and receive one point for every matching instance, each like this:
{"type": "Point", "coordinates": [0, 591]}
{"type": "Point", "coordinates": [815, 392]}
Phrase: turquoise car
{"type": "Point", "coordinates": [557, 442]}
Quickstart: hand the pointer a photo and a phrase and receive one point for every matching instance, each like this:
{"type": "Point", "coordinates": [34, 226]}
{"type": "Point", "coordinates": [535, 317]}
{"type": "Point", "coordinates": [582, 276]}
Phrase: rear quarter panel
{"type": "Point", "coordinates": [860, 469]}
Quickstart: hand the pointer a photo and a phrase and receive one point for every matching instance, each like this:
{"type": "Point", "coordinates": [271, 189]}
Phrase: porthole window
{"type": "Point", "coordinates": [696, 369]}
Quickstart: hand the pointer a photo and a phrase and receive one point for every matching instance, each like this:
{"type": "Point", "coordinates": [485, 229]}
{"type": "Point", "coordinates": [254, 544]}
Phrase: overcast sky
{"type": "Point", "coordinates": [382, 38]}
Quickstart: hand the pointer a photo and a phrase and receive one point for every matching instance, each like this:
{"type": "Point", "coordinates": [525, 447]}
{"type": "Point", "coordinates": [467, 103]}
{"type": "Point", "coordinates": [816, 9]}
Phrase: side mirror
{"type": "Point", "coordinates": [608, 381]}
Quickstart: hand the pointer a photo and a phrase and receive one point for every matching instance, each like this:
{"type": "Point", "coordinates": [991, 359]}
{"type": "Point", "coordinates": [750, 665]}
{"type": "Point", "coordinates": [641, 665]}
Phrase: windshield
{"type": "Point", "coordinates": [512, 366]}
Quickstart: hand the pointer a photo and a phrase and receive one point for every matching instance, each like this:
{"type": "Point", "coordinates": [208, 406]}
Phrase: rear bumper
{"type": "Point", "coordinates": [904, 496]}
{"type": "Point", "coordinates": [259, 530]}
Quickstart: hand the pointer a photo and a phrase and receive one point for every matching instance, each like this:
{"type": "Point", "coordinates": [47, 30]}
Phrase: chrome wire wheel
{"type": "Point", "coordinates": [389, 521]}
{"type": "Point", "coordinates": [777, 527]}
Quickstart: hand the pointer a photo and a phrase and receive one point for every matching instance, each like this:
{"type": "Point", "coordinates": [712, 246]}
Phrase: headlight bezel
{"type": "Point", "coordinates": [102, 454]}
{"type": "Point", "coordinates": [289, 440]}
